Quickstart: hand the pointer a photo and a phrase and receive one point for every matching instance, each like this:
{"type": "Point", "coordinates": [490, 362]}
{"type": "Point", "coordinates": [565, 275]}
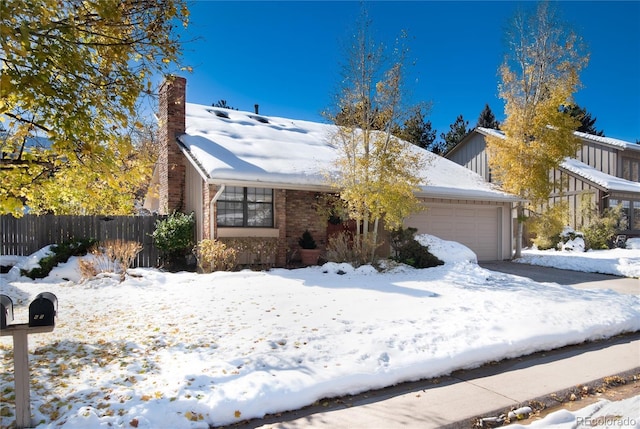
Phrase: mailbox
{"type": "Point", "coordinates": [6, 311]}
{"type": "Point", "coordinates": [43, 309]}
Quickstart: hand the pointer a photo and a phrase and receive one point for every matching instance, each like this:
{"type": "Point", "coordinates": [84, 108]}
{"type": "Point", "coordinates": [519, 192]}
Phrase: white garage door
{"type": "Point", "coordinates": [475, 227]}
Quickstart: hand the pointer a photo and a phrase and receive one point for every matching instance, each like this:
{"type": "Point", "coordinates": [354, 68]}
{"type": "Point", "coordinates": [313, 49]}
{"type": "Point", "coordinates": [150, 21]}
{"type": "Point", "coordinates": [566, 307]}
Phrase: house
{"type": "Point", "coordinates": [604, 173]}
{"type": "Point", "coordinates": [247, 175]}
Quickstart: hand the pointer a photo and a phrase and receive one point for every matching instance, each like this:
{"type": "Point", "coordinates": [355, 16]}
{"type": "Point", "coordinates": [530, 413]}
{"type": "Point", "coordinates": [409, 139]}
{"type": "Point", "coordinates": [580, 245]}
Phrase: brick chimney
{"type": "Point", "coordinates": [171, 162]}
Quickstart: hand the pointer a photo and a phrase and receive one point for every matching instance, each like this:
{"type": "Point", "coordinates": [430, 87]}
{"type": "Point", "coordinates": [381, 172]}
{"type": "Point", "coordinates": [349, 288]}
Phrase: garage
{"type": "Point", "coordinates": [477, 227]}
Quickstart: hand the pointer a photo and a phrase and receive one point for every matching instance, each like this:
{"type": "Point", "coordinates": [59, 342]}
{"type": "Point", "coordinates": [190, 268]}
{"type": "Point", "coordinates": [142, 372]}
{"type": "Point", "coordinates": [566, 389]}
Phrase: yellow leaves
{"type": "Point", "coordinates": [237, 414]}
{"type": "Point", "coordinates": [193, 416]}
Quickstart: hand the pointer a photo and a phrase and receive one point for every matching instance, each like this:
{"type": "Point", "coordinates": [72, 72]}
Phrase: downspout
{"type": "Point", "coordinates": [211, 211]}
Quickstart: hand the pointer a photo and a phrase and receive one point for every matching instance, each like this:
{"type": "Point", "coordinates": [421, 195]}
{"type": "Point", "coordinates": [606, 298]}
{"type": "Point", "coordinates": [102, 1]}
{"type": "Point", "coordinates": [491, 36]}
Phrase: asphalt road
{"type": "Point", "coordinates": [577, 279]}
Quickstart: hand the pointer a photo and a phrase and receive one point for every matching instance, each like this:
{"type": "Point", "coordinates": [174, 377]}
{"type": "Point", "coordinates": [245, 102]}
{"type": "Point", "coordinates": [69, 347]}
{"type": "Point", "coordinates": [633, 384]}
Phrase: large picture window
{"type": "Point", "coordinates": [245, 207]}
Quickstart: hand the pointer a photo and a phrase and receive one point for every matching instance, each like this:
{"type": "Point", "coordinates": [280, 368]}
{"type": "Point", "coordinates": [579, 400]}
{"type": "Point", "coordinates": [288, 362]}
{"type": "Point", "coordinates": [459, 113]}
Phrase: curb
{"type": "Point", "coordinates": [550, 400]}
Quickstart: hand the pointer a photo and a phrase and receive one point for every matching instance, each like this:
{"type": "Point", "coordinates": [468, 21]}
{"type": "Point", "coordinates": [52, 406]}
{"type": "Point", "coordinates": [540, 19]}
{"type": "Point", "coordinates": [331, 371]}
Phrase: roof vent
{"type": "Point", "coordinates": [219, 113]}
{"type": "Point", "coordinates": [259, 119]}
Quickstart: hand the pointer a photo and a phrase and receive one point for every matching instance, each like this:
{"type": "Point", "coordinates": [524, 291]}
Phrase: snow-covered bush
{"type": "Point", "coordinates": [571, 240]}
{"type": "Point", "coordinates": [59, 253]}
{"type": "Point", "coordinates": [408, 251]}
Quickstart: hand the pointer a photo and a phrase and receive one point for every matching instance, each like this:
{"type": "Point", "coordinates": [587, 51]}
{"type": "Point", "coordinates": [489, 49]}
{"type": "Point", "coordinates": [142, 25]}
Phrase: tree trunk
{"type": "Point", "coordinates": [520, 231]}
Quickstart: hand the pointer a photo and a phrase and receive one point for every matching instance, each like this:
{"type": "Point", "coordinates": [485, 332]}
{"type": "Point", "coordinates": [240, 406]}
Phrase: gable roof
{"type": "Point", "coordinates": [597, 177]}
{"type": "Point", "coordinates": [591, 174]}
{"type": "Point", "coordinates": [607, 141]}
{"type": "Point", "coordinates": [236, 147]}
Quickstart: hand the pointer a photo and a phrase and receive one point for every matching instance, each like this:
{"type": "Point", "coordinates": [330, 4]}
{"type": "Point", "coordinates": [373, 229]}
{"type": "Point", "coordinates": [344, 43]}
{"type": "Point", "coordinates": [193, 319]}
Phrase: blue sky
{"type": "Point", "coordinates": [287, 56]}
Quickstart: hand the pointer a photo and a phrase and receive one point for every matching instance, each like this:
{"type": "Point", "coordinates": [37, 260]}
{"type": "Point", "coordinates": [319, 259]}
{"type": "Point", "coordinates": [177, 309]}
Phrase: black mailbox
{"type": "Point", "coordinates": [43, 309]}
{"type": "Point", "coordinates": [6, 311]}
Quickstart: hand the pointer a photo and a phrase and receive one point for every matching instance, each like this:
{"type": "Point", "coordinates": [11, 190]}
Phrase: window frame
{"type": "Point", "coordinates": [250, 202]}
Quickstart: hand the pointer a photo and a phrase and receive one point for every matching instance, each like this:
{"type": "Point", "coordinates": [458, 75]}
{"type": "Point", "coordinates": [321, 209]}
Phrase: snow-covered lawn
{"type": "Point", "coordinates": [189, 350]}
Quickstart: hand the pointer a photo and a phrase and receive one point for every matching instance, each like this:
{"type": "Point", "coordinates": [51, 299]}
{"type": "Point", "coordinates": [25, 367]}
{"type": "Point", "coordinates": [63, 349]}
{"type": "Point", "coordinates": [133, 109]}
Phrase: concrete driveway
{"type": "Point", "coordinates": [566, 277]}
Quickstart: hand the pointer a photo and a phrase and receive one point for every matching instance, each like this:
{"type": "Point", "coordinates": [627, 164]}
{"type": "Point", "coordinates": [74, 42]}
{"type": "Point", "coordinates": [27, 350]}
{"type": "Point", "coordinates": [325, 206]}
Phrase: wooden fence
{"type": "Point", "coordinates": [28, 234]}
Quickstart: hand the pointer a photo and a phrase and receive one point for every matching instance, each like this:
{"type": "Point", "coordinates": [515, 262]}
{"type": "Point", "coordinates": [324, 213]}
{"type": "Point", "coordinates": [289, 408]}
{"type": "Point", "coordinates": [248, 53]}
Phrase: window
{"type": "Point", "coordinates": [245, 207]}
{"type": "Point", "coordinates": [631, 169]}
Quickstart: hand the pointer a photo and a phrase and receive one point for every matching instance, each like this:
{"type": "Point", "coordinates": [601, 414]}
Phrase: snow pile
{"type": "Point", "coordinates": [572, 241]}
{"type": "Point", "coordinates": [617, 262]}
{"type": "Point", "coordinates": [447, 251]}
{"type": "Point", "coordinates": [603, 414]}
{"type": "Point", "coordinates": [186, 350]}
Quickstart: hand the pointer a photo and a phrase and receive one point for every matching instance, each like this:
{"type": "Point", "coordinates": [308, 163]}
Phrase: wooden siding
{"type": "Point", "coordinates": [473, 155]}
{"type": "Point", "coordinates": [194, 198]}
{"type": "Point", "coordinates": [602, 158]}
{"type": "Point", "coordinates": [577, 193]}
{"type": "Point", "coordinates": [28, 234]}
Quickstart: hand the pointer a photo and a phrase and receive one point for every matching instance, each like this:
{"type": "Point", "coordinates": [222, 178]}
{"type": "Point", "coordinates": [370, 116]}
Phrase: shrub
{"type": "Point", "coordinates": [60, 254]}
{"type": "Point", "coordinates": [262, 250]}
{"type": "Point", "coordinates": [111, 256]}
{"type": "Point", "coordinates": [600, 231]}
{"type": "Point", "coordinates": [307, 241]}
{"type": "Point", "coordinates": [174, 236]}
{"type": "Point", "coordinates": [344, 247]}
{"type": "Point", "coordinates": [548, 226]}
{"type": "Point", "coordinates": [408, 251]}
{"type": "Point", "coordinates": [213, 255]}
{"type": "Point", "coordinates": [571, 240]}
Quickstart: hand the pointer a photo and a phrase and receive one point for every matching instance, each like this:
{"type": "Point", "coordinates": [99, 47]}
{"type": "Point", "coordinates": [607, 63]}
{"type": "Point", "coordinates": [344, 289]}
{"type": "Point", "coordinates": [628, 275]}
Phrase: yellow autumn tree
{"type": "Point", "coordinates": [539, 76]}
{"type": "Point", "coordinates": [72, 74]}
{"type": "Point", "coordinates": [378, 173]}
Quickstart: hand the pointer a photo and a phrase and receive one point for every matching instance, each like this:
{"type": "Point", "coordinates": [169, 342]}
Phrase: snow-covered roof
{"type": "Point", "coordinates": [585, 171]}
{"type": "Point", "coordinates": [231, 146]}
{"type": "Point", "coordinates": [607, 181]}
{"type": "Point", "coordinates": [609, 141]}
{"type": "Point", "coordinates": [620, 144]}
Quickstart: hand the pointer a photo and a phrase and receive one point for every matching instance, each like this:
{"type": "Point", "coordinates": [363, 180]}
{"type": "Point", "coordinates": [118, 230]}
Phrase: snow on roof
{"type": "Point", "coordinates": [599, 139]}
{"type": "Point", "coordinates": [585, 171]}
{"type": "Point", "coordinates": [607, 181]}
{"type": "Point", "coordinates": [609, 141]}
{"type": "Point", "coordinates": [231, 145]}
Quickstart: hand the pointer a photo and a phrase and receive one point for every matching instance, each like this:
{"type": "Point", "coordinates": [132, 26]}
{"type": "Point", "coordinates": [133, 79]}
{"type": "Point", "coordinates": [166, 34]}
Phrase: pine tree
{"type": "Point", "coordinates": [587, 123]}
{"type": "Point", "coordinates": [457, 131]}
{"type": "Point", "coordinates": [487, 119]}
{"type": "Point", "coordinates": [539, 75]}
{"type": "Point", "coordinates": [417, 131]}
{"type": "Point", "coordinates": [223, 105]}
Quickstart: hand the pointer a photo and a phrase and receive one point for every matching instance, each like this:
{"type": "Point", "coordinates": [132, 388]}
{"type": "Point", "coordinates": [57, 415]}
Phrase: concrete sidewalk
{"type": "Point", "coordinates": [456, 401]}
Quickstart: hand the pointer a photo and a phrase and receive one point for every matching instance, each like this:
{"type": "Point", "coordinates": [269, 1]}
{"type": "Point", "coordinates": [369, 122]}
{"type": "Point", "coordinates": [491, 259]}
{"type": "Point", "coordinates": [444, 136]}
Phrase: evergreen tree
{"type": "Point", "coordinates": [587, 123]}
{"type": "Point", "coordinates": [417, 131]}
{"type": "Point", "coordinates": [539, 75]}
{"type": "Point", "coordinates": [457, 131]}
{"type": "Point", "coordinates": [487, 119]}
{"type": "Point", "coordinates": [223, 105]}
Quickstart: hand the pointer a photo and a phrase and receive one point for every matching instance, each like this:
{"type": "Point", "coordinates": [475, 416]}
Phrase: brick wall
{"type": "Point", "coordinates": [171, 167]}
{"type": "Point", "coordinates": [300, 216]}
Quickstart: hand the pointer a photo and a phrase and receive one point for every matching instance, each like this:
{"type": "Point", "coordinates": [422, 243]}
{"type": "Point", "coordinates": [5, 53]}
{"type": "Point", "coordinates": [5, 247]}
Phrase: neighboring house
{"type": "Point", "coordinates": [248, 175]}
{"type": "Point", "coordinates": [604, 173]}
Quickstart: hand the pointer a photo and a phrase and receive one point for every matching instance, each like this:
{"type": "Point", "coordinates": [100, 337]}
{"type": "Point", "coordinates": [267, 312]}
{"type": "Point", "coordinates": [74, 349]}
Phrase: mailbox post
{"type": "Point", "coordinates": [42, 309]}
